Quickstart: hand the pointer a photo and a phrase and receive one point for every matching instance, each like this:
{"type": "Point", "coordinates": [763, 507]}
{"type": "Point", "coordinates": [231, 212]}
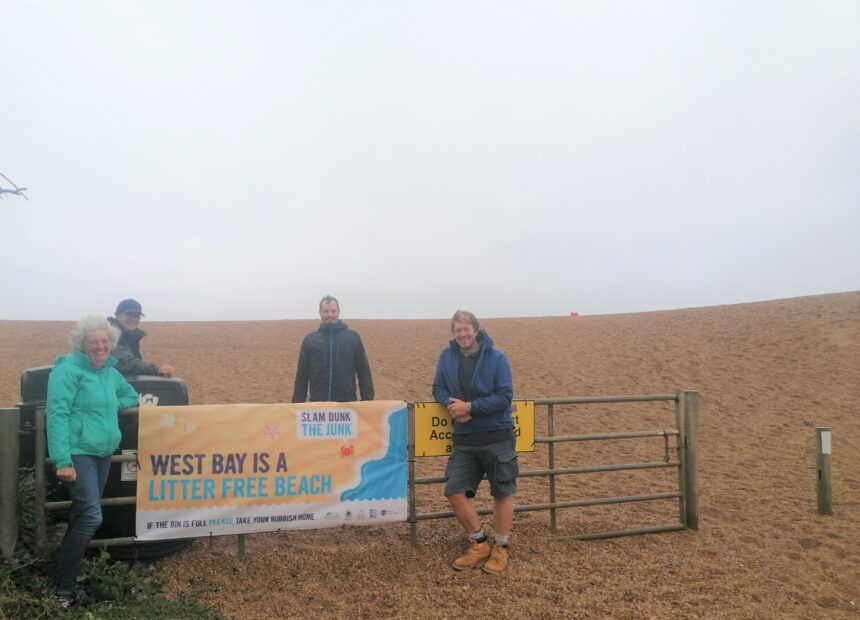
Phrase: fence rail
{"type": "Point", "coordinates": [684, 437]}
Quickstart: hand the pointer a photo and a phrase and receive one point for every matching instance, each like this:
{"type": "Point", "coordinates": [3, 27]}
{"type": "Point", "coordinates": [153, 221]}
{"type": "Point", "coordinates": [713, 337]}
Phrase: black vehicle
{"type": "Point", "coordinates": [118, 521]}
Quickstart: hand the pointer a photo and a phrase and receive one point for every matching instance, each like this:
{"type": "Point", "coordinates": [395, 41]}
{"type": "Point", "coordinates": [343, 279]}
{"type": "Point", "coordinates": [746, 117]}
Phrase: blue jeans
{"type": "Point", "coordinates": [84, 519]}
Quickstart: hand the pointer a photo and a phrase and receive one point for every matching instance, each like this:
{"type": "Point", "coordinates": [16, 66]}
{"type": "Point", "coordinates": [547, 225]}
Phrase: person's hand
{"type": "Point", "coordinates": [460, 410]}
{"type": "Point", "coordinates": [66, 474]}
{"type": "Point", "coordinates": [165, 371]}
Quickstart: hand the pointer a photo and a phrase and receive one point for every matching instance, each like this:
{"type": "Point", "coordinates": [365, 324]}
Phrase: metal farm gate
{"type": "Point", "coordinates": [680, 441]}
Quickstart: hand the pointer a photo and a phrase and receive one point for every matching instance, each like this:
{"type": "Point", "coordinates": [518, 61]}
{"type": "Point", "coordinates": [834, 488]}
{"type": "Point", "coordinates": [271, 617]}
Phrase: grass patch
{"type": "Point", "coordinates": [110, 589]}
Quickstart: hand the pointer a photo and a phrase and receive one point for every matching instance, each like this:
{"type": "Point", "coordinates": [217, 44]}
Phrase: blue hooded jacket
{"type": "Point", "coordinates": [491, 391]}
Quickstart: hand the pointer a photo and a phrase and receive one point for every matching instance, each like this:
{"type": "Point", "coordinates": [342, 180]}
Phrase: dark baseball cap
{"type": "Point", "coordinates": [129, 306]}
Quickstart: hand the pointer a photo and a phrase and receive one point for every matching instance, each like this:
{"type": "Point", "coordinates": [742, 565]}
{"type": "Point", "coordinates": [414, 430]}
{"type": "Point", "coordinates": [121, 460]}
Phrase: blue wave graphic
{"type": "Point", "coordinates": [385, 478]}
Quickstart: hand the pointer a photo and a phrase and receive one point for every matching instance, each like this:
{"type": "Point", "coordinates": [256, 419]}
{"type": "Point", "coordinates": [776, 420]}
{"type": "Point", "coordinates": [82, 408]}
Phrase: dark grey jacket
{"type": "Point", "coordinates": [127, 352]}
{"type": "Point", "coordinates": [330, 360]}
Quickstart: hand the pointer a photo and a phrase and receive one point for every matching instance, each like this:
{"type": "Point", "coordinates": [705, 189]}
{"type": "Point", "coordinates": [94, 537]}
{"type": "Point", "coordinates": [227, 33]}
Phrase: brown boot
{"type": "Point", "coordinates": [477, 555]}
{"type": "Point", "coordinates": [498, 561]}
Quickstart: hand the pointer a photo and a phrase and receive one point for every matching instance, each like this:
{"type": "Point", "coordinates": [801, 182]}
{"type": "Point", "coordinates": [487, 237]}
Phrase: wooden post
{"type": "Point", "coordinates": [241, 546]}
{"type": "Point", "coordinates": [9, 424]}
{"type": "Point", "coordinates": [691, 459]}
{"type": "Point", "coordinates": [822, 458]}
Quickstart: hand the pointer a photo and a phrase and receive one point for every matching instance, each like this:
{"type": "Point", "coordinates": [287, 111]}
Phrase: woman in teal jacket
{"type": "Point", "coordinates": [85, 393]}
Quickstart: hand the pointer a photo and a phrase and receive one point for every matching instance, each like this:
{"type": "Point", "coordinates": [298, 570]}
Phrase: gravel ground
{"type": "Point", "coordinates": [767, 373]}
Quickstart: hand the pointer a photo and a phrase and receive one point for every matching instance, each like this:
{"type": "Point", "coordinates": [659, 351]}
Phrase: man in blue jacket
{"type": "Point", "coordinates": [473, 381]}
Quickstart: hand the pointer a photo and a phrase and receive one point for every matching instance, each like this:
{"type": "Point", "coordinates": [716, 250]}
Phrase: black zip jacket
{"type": "Point", "coordinates": [330, 360]}
{"type": "Point", "coordinates": [127, 352]}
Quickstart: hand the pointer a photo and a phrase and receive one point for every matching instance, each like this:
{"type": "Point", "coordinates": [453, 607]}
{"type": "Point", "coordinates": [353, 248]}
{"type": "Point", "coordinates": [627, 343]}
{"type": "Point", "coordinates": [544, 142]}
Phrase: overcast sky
{"type": "Point", "coordinates": [238, 160]}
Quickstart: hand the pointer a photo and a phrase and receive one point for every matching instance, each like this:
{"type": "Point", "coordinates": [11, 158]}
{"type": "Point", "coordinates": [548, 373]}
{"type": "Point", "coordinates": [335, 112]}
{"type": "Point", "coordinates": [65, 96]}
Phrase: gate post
{"type": "Point", "coordinates": [410, 482]}
{"type": "Point", "coordinates": [550, 423]}
{"type": "Point", "coordinates": [822, 461]}
{"type": "Point", "coordinates": [9, 449]}
{"type": "Point", "coordinates": [691, 459]}
{"type": "Point", "coordinates": [679, 450]}
{"type": "Point", "coordinates": [40, 451]}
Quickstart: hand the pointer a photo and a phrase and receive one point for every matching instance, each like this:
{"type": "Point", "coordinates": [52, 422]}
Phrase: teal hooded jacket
{"type": "Point", "coordinates": [82, 408]}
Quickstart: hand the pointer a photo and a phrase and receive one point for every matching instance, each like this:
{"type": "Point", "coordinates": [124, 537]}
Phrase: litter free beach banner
{"type": "Point", "coordinates": [233, 469]}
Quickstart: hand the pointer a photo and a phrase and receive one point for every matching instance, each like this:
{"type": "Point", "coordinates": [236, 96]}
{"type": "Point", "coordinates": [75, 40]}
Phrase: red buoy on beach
{"type": "Point", "coordinates": [574, 314]}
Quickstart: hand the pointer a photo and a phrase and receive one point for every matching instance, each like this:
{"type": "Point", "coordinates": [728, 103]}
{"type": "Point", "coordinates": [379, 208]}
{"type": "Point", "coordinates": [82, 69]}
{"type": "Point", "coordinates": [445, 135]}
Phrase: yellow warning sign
{"type": "Point", "coordinates": [433, 428]}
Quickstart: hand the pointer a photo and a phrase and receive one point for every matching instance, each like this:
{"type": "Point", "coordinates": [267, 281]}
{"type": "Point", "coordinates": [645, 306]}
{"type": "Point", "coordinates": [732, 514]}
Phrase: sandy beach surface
{"type": "Point", "coordinates": [767, 373]}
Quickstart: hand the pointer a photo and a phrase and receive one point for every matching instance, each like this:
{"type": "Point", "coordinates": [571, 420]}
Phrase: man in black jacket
{"type": "Point", "coordinates": [330, 360]}
{"type": "Point", "coordinates": [127, 352]}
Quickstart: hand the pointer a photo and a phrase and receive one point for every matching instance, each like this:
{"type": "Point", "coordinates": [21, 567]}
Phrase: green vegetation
{"type": "Point", "coordinates": [109, 589]}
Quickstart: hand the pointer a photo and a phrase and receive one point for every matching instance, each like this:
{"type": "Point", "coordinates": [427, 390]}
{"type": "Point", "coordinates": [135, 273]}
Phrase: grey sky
{"type": "Point", "coordinates": [240, 160]}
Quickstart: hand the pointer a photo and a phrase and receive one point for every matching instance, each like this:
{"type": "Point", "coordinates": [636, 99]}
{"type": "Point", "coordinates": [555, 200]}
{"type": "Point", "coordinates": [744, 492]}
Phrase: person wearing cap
{"type": "Point", "coordinates": [127, 352]}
